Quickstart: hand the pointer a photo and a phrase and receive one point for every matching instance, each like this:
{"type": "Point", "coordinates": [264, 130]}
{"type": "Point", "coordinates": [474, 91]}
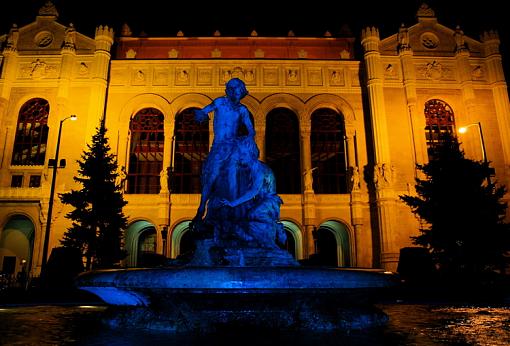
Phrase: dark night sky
{"type": "Point", "coordinates": [269, 18]}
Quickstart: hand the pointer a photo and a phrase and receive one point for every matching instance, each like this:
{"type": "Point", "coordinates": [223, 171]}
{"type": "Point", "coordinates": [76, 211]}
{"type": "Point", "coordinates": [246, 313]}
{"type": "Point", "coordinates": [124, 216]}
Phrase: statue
{"type": "Point", "coordinates": [238, 219]}
{"type": "Point", "coordinates": [70, 37]}
{"type": "Point", "coordinates": [121, 178]}
{"type": "Point", "coordinates": [229, 114]}
{"type": "Point", "coordinates": [355, 179]}
{"type": "Point", "coordinates": [308, 179]}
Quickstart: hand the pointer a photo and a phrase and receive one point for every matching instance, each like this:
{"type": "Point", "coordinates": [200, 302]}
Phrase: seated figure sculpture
{"type": "Point", "coordinates": [262, 204]}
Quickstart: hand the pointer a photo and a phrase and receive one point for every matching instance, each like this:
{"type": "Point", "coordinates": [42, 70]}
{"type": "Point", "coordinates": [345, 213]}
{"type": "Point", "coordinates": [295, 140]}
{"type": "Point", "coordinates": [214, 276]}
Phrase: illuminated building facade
{"type": "Point", "coordinates": [343, 134]}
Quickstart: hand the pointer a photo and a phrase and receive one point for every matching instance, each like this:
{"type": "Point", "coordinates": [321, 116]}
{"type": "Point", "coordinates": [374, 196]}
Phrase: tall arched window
{"type": "Point", "coordinates": [31, 133]}
{"type": "Point", "coordinates": [328, 152]}
{"type": "Point", "coordinates": [146, 151]}
{"type": "Point", "coordinates": [439, 121]}
{"type": "Point", "coordinates": [282, 149]}
{"type": "Point", "coordinates": [190, 150]}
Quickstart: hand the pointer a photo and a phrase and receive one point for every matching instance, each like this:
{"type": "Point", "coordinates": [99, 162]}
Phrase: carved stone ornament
{"type": "Point", "coordinates": [43, 39]}
{"type": "Point", "coordinates": [429, 40]}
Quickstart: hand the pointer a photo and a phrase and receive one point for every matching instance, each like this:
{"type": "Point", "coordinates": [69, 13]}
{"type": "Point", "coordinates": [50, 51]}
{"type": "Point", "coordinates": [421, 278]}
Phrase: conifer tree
{"type": "Point", "coordinates": [461, 211]}
{"type": "Point", "coordinates": [98, 220]}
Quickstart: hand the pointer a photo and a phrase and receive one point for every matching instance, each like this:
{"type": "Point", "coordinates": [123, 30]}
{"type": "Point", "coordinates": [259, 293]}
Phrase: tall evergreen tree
{"type": "Point", "coordinates": [462, 213]}
{"type": "Point", "coordinates": [98, 219]}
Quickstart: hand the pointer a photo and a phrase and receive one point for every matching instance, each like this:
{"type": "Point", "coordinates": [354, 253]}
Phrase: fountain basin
{"type": "Point", "coordinates": [191, 299]}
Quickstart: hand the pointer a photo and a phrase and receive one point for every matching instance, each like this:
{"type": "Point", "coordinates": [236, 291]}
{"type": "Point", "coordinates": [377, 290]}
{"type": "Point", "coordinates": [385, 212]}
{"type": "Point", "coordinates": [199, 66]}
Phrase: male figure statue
{"type": "Point", "coordinates": [229, 115]}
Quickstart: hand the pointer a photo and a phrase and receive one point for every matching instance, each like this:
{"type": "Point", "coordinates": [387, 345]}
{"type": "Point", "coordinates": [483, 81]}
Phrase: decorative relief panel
{"type": "Point", "coordinates": [478, 73]}
{"type": "Point", "coordinates": [182, 75]}
{"type": "Point", "coordinates": [138, 77]}
{"type": "Point", "coordinates": [292, 76]}
{"type": "Point", "coordinates": [270, 76]}
{"type": "Point", "coordinates": [436, 71]}
{"type": "Point", "coordinates": [83, 69]}
{"type": "Point", "coordinates": [160, 76]}
{"type": "Point", "coordinates": [204, 76]}
{"type": "Point", "coordinates": [336, 77]}
{"type": "Point", "coordinates": [38, 69]}
{"type": "Point", "coordinates": [119, 76]}
{"type": "Point", "coordinates": [390, 71]}
{"type": "Point", "coordinates": [247, 74]}
{"type": "Point", "coordinates": [315, 77]}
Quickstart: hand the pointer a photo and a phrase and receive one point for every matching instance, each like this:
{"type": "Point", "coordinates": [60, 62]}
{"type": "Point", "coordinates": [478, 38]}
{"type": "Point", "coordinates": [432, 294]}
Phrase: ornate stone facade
{"type": "Point", "coordinates": [382, 143]}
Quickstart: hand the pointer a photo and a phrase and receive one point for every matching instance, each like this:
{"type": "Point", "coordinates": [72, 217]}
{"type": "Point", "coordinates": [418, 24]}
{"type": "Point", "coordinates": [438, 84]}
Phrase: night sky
{"type": "Point", "coordinates": [268, 18]}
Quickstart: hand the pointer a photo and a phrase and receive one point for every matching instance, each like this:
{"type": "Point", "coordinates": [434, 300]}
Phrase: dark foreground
{"type": "Point", "coordinates": [409, 324]}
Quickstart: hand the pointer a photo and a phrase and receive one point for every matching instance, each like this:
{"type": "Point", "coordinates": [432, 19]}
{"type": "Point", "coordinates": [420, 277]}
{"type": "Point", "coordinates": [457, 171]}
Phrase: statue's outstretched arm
{"type": "Point", "coordinates": [202, 114]}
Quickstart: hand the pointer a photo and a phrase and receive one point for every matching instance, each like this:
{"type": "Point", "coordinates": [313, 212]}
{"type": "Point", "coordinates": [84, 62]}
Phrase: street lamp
{"type": "Point", "coordinates": [482, 144]}
{"type": "Point", "coordinates": [52, 193]}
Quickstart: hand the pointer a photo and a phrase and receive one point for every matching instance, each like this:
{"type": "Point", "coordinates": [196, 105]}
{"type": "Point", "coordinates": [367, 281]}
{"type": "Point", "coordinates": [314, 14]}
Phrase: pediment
{"type": "Point", "coordinates": [46, 36]}
{"type": "Point", "coordinates": [429, 38]}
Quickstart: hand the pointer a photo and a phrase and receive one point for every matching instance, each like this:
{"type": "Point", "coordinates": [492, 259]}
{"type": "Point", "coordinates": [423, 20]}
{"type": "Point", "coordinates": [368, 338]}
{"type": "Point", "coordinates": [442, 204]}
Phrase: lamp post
{"type": "Point", "coordinates": [482, 145]}
{"type": "Point", "coordinates": [52, 193]}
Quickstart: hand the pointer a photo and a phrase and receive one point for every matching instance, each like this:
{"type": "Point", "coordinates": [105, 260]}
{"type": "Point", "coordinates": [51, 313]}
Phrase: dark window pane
{"type": "Point", "coordinates": [191, 147]}
{"type": "Point", "coordinates": [17, 181]}
{"type": "Point", "coordinates": [146, 151]}
{"type": "Point", "coordinates": [35, 181]}
{"type": "Point", "coordinates": [282, 149]}
{"type": "Point", "coordinates": [327, 142]}
{"type": "Point", "coordinates": [31, 133]}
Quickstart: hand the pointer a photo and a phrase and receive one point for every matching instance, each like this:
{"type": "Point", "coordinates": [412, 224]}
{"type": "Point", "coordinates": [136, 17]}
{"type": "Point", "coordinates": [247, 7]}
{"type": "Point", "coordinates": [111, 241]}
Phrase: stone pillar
{"type": "Point", "coordinates": [385, 199]}
{"type": "Point", "coordinates": [101, 66]}
{"type": "Point", "coordinates": [497, 82]}
{"type": "Point", "coordinates": [309, 200]}
{"type": "Point", "coordinates": [9, 68]}
{"type": "Point", "coordinates": [468, 93]}
{"type": "Point", "coordinates": [416, 119]}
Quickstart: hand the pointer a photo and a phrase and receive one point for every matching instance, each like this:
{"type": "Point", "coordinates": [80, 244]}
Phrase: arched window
{"type": "Point", "coordinates": [146, 151]}
{"type": "Point", "coordinates": [439, 121]}
{"type": "Point", "coordinates": [190, 150]}
{"type": "Point", "coordinates": [31, 133]}
{"type": "Point", "coordinates": [282, 149]}
{"type": "Point", "coordinates": [328, 152]}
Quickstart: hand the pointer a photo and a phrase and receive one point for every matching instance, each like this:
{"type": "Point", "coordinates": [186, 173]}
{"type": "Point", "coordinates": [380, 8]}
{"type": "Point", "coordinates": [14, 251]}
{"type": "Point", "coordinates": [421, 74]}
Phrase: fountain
{"type": "Point", "coordinates": [239, 275]}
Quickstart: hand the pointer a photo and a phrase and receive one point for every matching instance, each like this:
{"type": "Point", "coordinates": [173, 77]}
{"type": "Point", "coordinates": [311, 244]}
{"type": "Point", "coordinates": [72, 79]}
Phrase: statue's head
{"type": "Point", "coordinates": [235, 88]}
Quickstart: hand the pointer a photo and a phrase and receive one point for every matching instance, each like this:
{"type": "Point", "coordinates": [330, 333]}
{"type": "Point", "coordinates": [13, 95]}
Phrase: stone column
{"type": "Point", "coordinates": [309, 200]}
{"type": "Point", "coordinates": [497, 82]}
{"type": "Point", "coordinates": [416, 119]}
{"type": "Point", "coordinates": [385, 199]}
{"type": "Point", "coordinates": [99, 85]}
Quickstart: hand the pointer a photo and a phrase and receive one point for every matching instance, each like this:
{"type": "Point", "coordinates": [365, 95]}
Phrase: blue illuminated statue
{"type": "Point", "coordinates": [238, 219]}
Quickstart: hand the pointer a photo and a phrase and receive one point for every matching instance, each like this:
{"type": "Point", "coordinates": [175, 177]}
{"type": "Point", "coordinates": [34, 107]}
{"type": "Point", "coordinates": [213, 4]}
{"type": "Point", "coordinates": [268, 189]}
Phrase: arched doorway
{"type": "Point", "coordinates": [294, 243]}
{"type": "Point", "coordinates": [181, 239]}
{"type": "Point", "coordinates": [16, 247]}
{"type": "Point", "coordinates": [333, 244]}
{"type": "Point", "coordinates": [140, 242]}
